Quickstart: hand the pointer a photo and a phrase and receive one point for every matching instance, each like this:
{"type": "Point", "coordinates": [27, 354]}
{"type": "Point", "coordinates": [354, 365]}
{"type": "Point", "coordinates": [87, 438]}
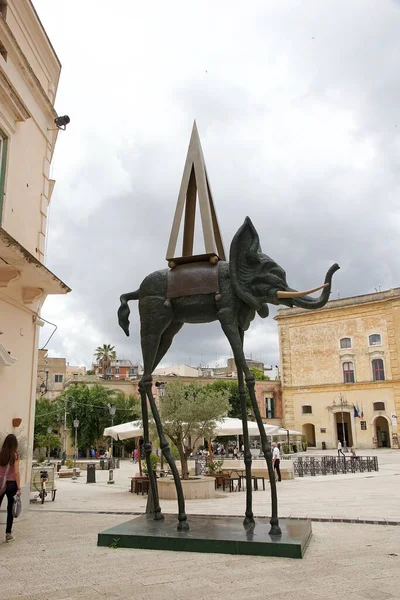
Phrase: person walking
{"type": "Point", "coordinates": [276, 460]}
{"type": "Point", "coordinates": [10, 482]}
{"type": "Point", "coordinates": [339, 449]}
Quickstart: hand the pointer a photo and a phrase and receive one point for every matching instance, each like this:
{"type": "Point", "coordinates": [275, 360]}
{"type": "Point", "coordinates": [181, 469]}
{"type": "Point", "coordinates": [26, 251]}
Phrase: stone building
{"type": "Point", "coordinates": [119, 370]}
{"type": "Point", "coordinates": [53, 374]}
{"type": "Point", "coordinates": [340, 370]}
{"type": "Point", "coordinates": [29, 75]}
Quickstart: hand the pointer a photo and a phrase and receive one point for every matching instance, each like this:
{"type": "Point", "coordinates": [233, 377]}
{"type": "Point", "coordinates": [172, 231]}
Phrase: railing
{"type": "Point", "coordinates": [331, 465]}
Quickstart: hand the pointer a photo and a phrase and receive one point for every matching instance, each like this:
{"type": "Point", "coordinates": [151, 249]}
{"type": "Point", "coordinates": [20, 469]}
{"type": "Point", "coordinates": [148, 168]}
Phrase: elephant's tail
{"type": "Point", "coordinates": [124, 310]}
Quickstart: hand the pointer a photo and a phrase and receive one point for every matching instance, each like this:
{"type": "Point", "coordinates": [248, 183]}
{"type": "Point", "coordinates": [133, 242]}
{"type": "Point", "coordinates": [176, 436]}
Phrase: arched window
{"type": "Point", "coordinates": [307, 409]}
{"type": "Point", "coordinates": [378, 371]}
{"type": "Point", "coordinates": [379, 406]}
{"type": "Point", "coordinates": [348, 372]}
{"type": "Point", "coordinates": [345, 342]}
{"type": "Point", "coordinates": [375, 339]}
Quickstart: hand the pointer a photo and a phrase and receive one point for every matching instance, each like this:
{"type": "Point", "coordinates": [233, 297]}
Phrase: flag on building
{"type": "Point", "coordinates": [355, 412]}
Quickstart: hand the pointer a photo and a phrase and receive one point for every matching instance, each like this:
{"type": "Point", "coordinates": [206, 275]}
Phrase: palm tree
{"type": "Point", "coordinates": [105, 354]}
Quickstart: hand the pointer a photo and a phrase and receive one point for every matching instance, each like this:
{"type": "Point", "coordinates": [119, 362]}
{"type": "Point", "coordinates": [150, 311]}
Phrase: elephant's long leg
{"type": "Point", "coordinates": [182, 517]}
{"type": "Point", "coordinates": [158, 516]}
{"type": "Point", "coordinates": [249, 517]}
{"type": "Point", "coordinates": [151, 347]}
{"type": "Point", "coordinates": [166, 341]}
{"type": "Point", "coordinates": [231, 331]}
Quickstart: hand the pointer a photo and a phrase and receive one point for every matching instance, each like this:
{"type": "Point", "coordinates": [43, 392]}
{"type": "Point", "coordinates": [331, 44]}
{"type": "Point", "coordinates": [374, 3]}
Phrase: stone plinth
{"type": "Point", "coordinates": [225, 535]}
{"type": "Point", "coordinates": [196, 488]}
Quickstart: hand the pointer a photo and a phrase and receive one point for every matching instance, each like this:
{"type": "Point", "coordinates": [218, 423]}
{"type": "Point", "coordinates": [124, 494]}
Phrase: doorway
{"type": "Point", "coordinates": [343, 429]}
{"type": "Point", "coordinates": [309, 432]}
{"type": "Point", "coordinates": [382, 432]}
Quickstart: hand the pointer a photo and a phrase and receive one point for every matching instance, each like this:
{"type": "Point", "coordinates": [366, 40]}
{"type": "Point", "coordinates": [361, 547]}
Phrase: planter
{"type": "Point", "coordinates": [196, 488]}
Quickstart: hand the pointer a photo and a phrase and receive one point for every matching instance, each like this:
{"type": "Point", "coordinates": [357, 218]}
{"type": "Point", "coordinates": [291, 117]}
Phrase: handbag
{"type": "Point", "coordinates": [17, 506]}
{"type": "Point", "coordinates": [3, 485]}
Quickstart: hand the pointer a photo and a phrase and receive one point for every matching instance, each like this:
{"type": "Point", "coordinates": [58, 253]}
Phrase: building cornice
{"type": "Point", "coordinates": [340, 387]}
{"type": "Point", "coordinates": [19, 264]}
{"type": "Point", "coordinates": [6, 360]}
{"type": "Point", "coordinates": [25, 69]}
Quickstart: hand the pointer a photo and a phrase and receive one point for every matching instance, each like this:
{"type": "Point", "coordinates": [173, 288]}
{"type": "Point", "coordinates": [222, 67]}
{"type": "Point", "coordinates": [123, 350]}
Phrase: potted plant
{"type": "Point", "coordinates": [304, 442]}
{"type": "Point", "coordinates": [154, 462]}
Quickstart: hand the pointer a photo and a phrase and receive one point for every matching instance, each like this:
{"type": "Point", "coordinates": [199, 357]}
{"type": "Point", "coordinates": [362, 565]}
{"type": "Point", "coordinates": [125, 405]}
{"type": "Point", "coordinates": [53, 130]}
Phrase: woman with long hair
{"type": "Point", "coordinates": [9, 468]}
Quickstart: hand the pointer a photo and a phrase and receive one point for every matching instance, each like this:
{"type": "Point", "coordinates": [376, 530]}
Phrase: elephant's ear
{"type": "Point", "coordinates": [244, 261]}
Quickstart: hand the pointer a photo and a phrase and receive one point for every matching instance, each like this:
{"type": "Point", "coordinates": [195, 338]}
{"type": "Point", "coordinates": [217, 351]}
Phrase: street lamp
{"type": "Point", "coordinates": [49, 430]}
{"type": "Point", "coordinates": [112, 410]}
{"type": "Point", "coordinates": [76, 425]}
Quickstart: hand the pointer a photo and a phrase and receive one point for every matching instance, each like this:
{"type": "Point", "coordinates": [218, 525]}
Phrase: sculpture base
{"type": "Point", "coordinates": [222, 535]}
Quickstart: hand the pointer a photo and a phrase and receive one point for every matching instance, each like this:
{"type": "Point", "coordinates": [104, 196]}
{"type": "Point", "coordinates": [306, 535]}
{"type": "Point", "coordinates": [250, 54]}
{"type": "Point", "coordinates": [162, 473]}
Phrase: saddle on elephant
{"type": "Point", "coordinates": [191, 279]}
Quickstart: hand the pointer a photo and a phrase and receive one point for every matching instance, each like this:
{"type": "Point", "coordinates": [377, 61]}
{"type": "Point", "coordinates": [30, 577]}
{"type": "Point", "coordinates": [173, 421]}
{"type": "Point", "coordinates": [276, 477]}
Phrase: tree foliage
{"type": "Point", "coordinates": [105, 354]}
{"type": "Point", "coordinates": [189, 413]}
{"type": "Point", "coordinates": [48, 440]}
{"type": "Point", "coordinates": [232, 389]}
{"type": "Point", "coordinates": [90, 406]}
{"type": "Point", "coordinates": [258, 374]}
{"type": "Point", "coordinates": [46, 415]}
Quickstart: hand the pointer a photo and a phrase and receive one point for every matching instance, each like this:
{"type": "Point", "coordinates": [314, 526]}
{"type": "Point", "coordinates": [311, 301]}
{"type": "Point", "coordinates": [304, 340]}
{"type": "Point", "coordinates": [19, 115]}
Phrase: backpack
{"type": "Point", "coordinates": [3, 484]}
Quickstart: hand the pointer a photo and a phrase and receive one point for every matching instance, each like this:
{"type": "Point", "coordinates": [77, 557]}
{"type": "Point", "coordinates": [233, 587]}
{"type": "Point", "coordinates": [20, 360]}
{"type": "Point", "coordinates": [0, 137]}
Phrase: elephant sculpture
{"type": "Point", "coordinates": [230, 293]}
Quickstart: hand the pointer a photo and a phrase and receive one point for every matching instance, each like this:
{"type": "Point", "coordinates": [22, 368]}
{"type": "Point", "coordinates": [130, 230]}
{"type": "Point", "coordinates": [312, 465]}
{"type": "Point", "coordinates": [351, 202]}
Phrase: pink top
{"type": "Point", "coordinates": [11, 471]}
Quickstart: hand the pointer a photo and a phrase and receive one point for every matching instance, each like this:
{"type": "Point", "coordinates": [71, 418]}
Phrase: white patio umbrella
{"type": "Point", "coordinates": [125, 431]}
{"type": "Point", "coordinates": [225, 427]}
{"type": "Point", "coordinates": [284, 432]}
{"type": "Point", "coordinates": [230, 426]}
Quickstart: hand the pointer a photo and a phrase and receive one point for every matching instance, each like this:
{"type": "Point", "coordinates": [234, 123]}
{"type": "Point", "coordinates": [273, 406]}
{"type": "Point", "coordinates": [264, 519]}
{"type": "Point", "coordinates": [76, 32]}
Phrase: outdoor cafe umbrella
{"type": "Point", "coordinates": [225, 427]}
{"type": "Point", "coordinates": [125, 431]}
{"type": "Point", "coordinates": [230, 426]}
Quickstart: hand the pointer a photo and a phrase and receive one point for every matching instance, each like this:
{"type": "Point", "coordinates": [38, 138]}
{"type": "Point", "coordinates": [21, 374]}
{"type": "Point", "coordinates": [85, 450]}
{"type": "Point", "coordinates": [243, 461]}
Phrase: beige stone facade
{"type": "Point", "coordinates": [340, 370]}
{"type": "Point", "coordinates": [29, 74]}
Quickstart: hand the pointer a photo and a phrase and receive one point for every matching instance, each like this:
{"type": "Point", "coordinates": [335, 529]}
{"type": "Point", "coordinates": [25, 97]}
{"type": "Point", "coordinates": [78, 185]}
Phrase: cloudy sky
{"type": "Point", "coordinates": [298, 109]}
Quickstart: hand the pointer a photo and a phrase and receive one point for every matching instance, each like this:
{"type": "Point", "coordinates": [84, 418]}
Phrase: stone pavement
{"type": "Point", "coordinates": [55, 556]}
{"type": "Point", "coordinates": [373, 496]}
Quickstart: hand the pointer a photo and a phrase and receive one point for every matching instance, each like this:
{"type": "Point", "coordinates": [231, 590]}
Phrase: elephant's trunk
{"type": "Point", "coordinates": [308, 302]}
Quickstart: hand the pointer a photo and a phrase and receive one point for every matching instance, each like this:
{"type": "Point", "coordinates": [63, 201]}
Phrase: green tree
{"type": "Point", "coordinates": [46, 415]}
{"type": "Point", "coordinates": [258, 374]}
{"type": "Point", "coordinates": [232, 388]}
{"type": "Point", "coordinates": [105, 354]}
{"type": "Point", "coordinates": [189, 413]}
{"type": "Point", "coordinates": [48, 440]}
{"type": "Point", "coordinates": [90, 406]}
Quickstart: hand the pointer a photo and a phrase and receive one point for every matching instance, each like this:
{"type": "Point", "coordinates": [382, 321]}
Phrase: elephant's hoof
{"type": "Point", "coordinates": [183, 526]}
{"type": "Point", "coordinates": [275, 530]}
{"type": "Point", "coordinates": [158, 516]}
{"type": "Point", "coordinates": [249, 521]}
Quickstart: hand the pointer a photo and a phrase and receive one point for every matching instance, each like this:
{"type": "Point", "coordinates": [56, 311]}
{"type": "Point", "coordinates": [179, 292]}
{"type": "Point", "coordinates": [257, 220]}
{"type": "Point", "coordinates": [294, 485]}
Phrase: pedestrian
{"type": "Point", "coordinates": [92, 452]}
{"type": "Point", "coordinates": [339, 448]}
{"type": "Point", "coordinates": [235, 453]}
{"type": "Point", "coordinates": [10, 482]}
{"type": "Point", "coordinates": [353, 452]}
{"type": "Point", "coordinates": [135, 455]}
{"type": "Point", "coordinates": [276, 460]}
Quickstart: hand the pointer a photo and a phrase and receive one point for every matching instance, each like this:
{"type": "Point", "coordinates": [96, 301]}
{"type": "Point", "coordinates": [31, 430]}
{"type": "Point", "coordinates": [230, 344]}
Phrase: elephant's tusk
{"type": "Point", "coordinates": [300, 294]}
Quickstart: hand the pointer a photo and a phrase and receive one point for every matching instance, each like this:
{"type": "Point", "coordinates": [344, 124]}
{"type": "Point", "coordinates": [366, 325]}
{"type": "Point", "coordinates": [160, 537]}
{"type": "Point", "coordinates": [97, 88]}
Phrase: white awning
{"type": "Point", "coordinates": [225, 427]}
{"type": "Point", "coordinates": [284, 432]}
{"type": "Point", "coordinates": [125, 431]}
{"type": "Point", "coordinates": [230, 426]}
